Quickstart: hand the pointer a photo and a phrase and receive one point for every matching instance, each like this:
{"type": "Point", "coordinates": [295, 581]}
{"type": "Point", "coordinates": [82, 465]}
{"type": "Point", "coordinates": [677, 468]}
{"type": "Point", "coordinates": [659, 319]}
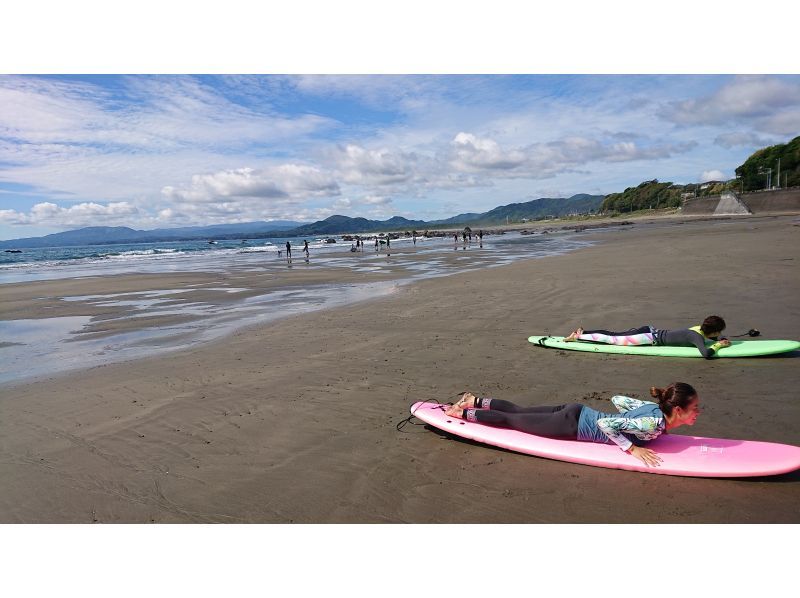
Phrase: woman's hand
{"type": "Point", "coordinates": [646, 456]}
{"type": "Point", "coordinates": [724, 342]}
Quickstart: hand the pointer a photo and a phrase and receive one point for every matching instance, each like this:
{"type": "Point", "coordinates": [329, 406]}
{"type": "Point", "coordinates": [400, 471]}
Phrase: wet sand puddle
{"type": "Point", "coordinates": [146, 323]}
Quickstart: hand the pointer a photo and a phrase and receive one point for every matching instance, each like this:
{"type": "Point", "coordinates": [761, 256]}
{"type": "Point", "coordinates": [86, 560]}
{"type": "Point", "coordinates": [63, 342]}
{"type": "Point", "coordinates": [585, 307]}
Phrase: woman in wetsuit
{"type": "Point", "coordinates": [636, 423]}
{"type": "Point", "coordinates": [711, 328]}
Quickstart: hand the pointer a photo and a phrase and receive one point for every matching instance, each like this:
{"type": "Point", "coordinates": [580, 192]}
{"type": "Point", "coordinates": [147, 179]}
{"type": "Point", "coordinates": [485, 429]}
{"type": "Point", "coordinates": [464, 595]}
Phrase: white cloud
{"type": "Point", "coordinates": [766, 103]}
{"type": "Point", "coordinates": [355, 164]}
{"type": "Point", "coordinates": [84, 214]}
{"type": "Point", "coordinates": [290, 181]}
{"type": "Point", "coordinates": [342, 203]}
{"type": "Point", "coordinates": [741, 139]}
{"type": "Point", "coordinates": [160, 113]}
{"type": "Point", "coordinates": [472, 153]}
{"type": "Point", "coordinates": [74, 138]}
{"type": "Point", "coordinates": [712, 175]}
{"type": "Point", "coordinates": [376, 200]}
{"type": "Point", "coordinates": [543, 160]}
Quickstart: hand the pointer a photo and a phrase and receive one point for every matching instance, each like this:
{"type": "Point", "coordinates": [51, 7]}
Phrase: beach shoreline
{"type": "Point", "coordinates": [294, 420]}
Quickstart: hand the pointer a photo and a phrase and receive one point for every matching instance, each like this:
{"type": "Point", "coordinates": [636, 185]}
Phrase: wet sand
{"type": "Point", "coordinates": [294, 421]}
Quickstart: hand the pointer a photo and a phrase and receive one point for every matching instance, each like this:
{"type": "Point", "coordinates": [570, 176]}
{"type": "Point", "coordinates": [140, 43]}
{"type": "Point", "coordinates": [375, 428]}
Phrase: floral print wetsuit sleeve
{"type": "Point", "coordinates": [625, 404]}
{"type": "Point", "coordinates": [644, 428]}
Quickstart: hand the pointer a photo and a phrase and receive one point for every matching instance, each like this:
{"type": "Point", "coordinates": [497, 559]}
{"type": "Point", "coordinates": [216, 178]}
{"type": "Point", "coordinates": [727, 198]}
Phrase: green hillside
{"type": "Point", "coordinates": [540, 208]}
{"type": "Point", "coordinates": [751, 176]}
{"type": "Point", "coordinates": [648, 195]}
{"type": "Point", "coordinates": [753, 173]}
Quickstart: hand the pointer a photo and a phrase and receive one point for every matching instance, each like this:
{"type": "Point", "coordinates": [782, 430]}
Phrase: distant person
{"type": "Point", "coordinates": [415, 238]}
{"type": "Point", "coordinates": [455, 237]}
{"type": "Point", "coordinates": [464, 236]}
{"type": "Point", "coordinates": [376, 243]}
{"type": "Point", "coordinates": [637, 422]}
{"type": "Point", "coordinates": [358, 243]}
{"type": "Point", "coordinates": [388, 241]}
{"type": "Point", "coordinates": [288, 250]}
{"type": "Point", "coordinates": [480, 235]}
{"type": "Point", "coordinates": [711, 328]}
{"type": "Point", "coordinates": [305, 247]}
{"type": "Point", "coordinates": [470, 236]}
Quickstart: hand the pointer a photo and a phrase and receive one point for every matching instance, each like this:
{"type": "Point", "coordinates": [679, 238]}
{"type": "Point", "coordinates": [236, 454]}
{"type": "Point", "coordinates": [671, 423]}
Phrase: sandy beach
{"type": "Point", "coordinates": [295, 420]}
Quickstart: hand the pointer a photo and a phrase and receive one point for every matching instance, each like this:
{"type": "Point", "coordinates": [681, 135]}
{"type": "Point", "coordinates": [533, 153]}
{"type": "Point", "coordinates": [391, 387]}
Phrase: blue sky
{"type": "Point", "coordinates": [168, 150]}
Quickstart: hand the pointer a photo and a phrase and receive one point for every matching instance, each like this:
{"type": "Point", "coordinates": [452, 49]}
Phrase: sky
{"type": "Point", "coordinates": [167, 150]}
{"type": "Point", "coordinates": [176, 150]}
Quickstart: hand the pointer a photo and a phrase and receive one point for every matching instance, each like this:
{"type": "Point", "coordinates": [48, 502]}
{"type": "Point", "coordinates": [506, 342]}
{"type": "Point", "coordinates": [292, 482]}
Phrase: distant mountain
{"type": "Point", "coordinates": [344, 224]}
{"type": "Point", "coordinates": [93, 235]}
{"type": "Point", "coordinates": [540, 208]}
{"type": "Point", "coordinates": [220, 230]}
{"type": "Point", "coordinates": [102, 235]}
{"type": "Point", "coordinates": [515, 212]}
{"type": "Point", "coordinates": [461, 218]}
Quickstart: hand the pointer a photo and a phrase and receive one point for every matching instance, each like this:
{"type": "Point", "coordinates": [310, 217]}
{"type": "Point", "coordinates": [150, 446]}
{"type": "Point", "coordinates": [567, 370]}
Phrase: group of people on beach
{"type": "Point", "coordinates": [636, 423]}
{"type": "Point", "coordinates": [359, 243]}
{"type": "Point", "coordinates": [289, 250]}
{"type": "Point", "coordinates": [466, 235]}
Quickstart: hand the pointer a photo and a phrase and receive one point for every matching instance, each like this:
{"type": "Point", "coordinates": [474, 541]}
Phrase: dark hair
{"type": "Point", "coordinates": [712, 324]}
{"type": "Point", "coordinates": [677, 394]}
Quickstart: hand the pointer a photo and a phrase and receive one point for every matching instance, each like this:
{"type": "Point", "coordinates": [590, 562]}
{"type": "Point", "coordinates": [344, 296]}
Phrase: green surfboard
{"type": "Point", "coordinates": [737, 348]}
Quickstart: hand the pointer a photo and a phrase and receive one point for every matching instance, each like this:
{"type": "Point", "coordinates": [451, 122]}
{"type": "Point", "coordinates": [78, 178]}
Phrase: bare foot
{"type": "Point", "coordinates": [573, 335]}
{"type": "Point", "coordinates": [467, 400]}
{"type": "Point", "coordinates": [455, 411]}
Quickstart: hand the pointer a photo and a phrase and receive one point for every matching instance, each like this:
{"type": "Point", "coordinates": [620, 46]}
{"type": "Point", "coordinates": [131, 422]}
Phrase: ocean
{"type": "Point", "coordinates": [252, 284]}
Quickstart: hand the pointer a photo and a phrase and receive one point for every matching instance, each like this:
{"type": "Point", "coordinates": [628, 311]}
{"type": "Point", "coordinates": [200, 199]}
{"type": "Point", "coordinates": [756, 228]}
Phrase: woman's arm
{"type": "Point", "coordinates": [613, 427]}
{"type": "Point", "coordinates": [625, 404]}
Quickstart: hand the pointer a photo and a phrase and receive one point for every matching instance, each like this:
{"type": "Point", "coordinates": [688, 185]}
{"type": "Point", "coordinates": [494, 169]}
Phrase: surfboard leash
{"type": "Point", "coordinates": [401, 424]}
{"type": "Point", "coordinates": [751, 332]}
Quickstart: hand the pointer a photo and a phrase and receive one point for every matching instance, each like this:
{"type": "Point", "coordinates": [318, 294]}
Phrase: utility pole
{"type": "Point", "coordinates": [779, 173]}
{"type": "Point", "coordinates": [768, 172]}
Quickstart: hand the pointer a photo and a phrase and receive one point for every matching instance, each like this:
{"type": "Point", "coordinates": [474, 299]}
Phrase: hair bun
{"type": "Point", "coordinates": [656, 393]}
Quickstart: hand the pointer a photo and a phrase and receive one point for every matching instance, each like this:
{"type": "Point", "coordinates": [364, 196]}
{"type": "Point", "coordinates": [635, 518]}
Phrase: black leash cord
{"type": "Point", "coordinates": [401, 424]}
{"type": "Point", "coordinates": [751, 332]}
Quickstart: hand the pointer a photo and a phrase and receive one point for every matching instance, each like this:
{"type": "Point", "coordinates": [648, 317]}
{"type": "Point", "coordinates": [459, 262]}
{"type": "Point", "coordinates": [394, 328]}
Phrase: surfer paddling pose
{"type": "Point", "coordinates": [636, 423]}
{"type": "Point", "coordinates": [711, 328]}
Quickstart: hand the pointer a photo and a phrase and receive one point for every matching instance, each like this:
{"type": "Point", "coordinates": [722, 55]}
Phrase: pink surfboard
{"type": "Point", "coordinates": [682, 455]}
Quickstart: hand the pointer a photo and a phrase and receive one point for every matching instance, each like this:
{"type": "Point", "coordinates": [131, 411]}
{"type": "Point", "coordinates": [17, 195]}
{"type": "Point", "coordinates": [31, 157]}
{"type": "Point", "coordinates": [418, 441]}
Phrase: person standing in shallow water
{"type": "Point", "coordinates": [637, 422]}
{"type": "Point", "coordinates": [305, 247]}
{"type": "Point", "coordinates": [288, 250]}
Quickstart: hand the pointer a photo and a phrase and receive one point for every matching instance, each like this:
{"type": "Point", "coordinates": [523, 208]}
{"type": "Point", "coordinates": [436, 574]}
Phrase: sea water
{"type": "Point", "coordinates": [33, 348]}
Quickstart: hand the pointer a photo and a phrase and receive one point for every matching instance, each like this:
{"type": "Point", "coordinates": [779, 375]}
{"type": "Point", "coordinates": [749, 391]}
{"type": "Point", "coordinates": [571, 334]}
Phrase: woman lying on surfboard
{"type": "Point", "coordinates": [711, 328]}
{"type": "Point", "coordinates": [637, 422]}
